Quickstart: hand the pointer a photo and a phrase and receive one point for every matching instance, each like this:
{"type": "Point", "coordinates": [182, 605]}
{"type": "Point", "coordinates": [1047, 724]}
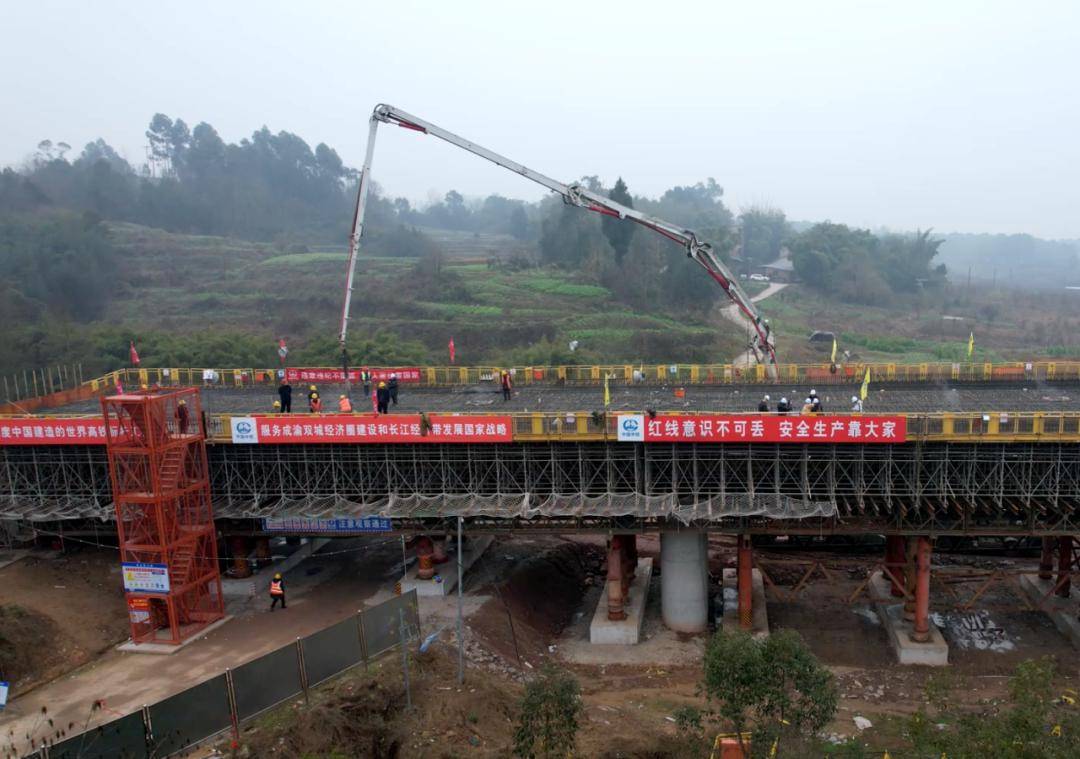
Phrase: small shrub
{"type": "Point", "coordinates": [550, 712]}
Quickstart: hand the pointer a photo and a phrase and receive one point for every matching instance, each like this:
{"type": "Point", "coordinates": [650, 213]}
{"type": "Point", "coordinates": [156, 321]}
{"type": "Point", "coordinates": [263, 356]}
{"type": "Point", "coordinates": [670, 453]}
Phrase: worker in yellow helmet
{"type": "Point", "coordinates": [382, 398]}
{"type": "Point", "coordinates": [182, 416]}
{"type": "Point", "coordinates": [277, 591]}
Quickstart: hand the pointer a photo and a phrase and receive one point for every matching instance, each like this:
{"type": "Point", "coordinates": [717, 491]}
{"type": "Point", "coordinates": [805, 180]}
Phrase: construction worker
{"type": "Point", "coordinates": [284, 392]}
{"type": "Point", "coordinates": [365, 377]}
{"type": "Point", "coordinates": [182, 416]}
{"type": "Point", "coordinates": [311, 391]}
{"type": "Point", "coordinates": [808, 406]}
{"type": "Point", "coordinates": [393, 388]}
{"type": "Point", "coordinates": [856, 404]}
{"type": "Point", "coordinates": [277, 591]}
{"type": "Point", "coordinates": [344, 404]}
{"type": "Point", "coordinates": [815, 404]}
{"type": "Point", "coordinates": [277, 407]}
{"type": "Point", "coordinates": [783, 407]}
{"type": "Point", "coordinates": [316, 404]}
{"type": "Point", "coordinates": [382, 398]}
{"type": "Point", "coordinates": [507, 385]}
{"type": "Point", "coordinates": [763, 406]}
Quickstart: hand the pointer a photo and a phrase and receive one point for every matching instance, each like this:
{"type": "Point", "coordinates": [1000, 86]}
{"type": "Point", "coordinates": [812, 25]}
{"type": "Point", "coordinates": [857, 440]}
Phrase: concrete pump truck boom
{"type": "Point", "coordinates": [762, 344]}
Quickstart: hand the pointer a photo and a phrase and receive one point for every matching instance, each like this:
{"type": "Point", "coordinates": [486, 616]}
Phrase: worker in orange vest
{"type": "Point", "coordinates": [344, 404]}
{"type": "Point", "coordinates": [316, 404]}
{"type": "Point", "coordinates": [277, 591]}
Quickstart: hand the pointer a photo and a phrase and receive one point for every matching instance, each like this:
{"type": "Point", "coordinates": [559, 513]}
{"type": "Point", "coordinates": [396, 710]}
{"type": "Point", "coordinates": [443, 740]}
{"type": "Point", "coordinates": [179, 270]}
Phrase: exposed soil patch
{"type": "Point", "coordinates": [538, 599]}
{"type": "Point", "coordinates": [58, 613]}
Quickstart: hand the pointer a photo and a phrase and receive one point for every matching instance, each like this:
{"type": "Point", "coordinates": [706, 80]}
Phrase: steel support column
{"type": "Point", "coordinates": [894, 564]}
{"type": "Point", "coordinates": [745, 583]}
{"type": "Point", "coordinates": [1064, 579]}
{"type": "Point", "coordinates": [922, 590]}
{"type": "Point", "coordinates": [615, 576]}
{"type": "Point", "coordinates": [1046, 561]}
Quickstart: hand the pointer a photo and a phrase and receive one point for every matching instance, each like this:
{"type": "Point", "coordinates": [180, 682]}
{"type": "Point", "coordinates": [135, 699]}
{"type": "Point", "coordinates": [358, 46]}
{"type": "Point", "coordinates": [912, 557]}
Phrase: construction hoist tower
{"type": "Point", "coordinates": [161, 489]}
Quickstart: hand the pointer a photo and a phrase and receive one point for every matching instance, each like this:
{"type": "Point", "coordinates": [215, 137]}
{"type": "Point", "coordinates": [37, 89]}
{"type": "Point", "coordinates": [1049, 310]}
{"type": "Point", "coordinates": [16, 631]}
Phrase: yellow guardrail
{"type": "Point", "coordinates": [585, 426]}
{"type": "Point", "coordinates": [668, 374]}
{"type": "Point", "coordinates": [991, 427]}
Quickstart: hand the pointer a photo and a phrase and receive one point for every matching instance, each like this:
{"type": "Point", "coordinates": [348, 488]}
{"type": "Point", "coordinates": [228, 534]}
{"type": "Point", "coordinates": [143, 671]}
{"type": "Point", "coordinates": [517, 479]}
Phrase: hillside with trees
{"type": "Point", "coordinates": [212, 250]}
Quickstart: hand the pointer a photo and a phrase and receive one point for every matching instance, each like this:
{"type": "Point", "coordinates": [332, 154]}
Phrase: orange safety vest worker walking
{"type": "Point", "coordinates": [277, 591]}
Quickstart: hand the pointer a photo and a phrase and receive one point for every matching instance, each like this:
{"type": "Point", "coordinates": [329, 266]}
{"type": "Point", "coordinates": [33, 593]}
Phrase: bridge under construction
{"type": "Point", "coordinates": [938, 450]}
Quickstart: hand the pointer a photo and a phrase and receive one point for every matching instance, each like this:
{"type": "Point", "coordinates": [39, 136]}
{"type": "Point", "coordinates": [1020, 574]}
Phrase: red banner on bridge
{"type": "Point", "coordinates": [762, 428]}
{"type": "Point", "coordinates": [52, 431]}
{"type": "Point", "coordinates": [372, 428]}
{"type": "Point", "coordinates": [404, 374]}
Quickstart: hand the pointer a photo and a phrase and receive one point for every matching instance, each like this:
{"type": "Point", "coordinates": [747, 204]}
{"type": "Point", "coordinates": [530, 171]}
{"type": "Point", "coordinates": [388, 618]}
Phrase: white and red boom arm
{"type": "Point", "coordinates": [575, 194]}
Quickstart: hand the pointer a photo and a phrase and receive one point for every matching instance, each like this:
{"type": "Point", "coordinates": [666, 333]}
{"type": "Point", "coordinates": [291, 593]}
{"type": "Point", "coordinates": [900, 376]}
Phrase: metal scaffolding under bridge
{"type": "Point", "coordinates": [1017, 488]}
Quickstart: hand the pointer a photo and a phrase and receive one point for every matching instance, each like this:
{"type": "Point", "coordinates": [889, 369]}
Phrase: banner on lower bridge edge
{"type": "Point", "coordinates": [52, 431]}
{"type": "Point", "coordinates": [404, 374]}
{"type": "Point", "coordinates": [338, 524]}
{"type": "Point", "coordinates": [761, 428]}
{"type": "Point", "coordinates": [372, 428]}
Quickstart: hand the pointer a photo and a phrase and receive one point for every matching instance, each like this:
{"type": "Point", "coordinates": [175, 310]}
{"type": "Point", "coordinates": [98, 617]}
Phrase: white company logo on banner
{"type": "Point", "coordinates": [631, 428]}
{"type": "Point", "coordinates": [244, 429]}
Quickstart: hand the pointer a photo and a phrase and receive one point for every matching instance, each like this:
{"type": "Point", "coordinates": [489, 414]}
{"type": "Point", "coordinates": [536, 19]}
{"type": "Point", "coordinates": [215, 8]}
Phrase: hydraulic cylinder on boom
{"type": "Point", "coordinates": [699, 250]}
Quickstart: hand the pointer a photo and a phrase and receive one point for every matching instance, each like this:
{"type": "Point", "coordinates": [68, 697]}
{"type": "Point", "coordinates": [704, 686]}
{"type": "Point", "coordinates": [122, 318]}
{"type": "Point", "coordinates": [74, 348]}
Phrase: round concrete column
{"type": "Point", "coordinates": [684, 580]}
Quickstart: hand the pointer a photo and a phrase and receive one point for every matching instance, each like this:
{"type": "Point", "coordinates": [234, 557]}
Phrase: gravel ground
{"type": "Point", "coordinates": [731, 398]}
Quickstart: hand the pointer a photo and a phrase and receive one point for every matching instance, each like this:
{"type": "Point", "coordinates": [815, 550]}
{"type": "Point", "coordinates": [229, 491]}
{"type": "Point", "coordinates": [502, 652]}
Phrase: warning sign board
{"type": "Point", "coordinates": [145, 578]}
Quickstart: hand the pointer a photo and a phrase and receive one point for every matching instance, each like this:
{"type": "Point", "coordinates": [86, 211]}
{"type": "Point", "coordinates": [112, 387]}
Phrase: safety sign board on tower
{"type": "Point", "coordinates": [145, 578]}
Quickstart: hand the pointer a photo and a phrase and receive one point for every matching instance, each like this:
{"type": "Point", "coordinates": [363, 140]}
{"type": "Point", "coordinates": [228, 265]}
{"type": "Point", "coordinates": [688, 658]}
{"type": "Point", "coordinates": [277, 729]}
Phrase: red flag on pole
{"type": "Point", "coordinates": [451, 347]}
{"type": "Point", "coordinates": [134, 355]}
{"type": "Point", "coordinates": [283, 350]}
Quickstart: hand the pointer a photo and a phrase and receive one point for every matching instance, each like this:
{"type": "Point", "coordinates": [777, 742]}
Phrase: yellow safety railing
{"type": "Point", "coordinates": [649, 374]}
{"type": "Point", "coordinates": [584, 426]}
{"type": "Point", "coordinates": [996, 426]}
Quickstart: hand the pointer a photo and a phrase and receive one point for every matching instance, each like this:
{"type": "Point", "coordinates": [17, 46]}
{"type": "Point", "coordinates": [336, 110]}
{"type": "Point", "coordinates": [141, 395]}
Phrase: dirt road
{"type": "Point", "coordinates": [734, 315]}
{"type": "Point", "coordinates": [322, 590]}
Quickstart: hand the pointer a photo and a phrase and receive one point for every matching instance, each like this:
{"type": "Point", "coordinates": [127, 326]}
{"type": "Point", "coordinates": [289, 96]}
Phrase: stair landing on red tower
{"type": "Point", "coordinates": [168, 542]}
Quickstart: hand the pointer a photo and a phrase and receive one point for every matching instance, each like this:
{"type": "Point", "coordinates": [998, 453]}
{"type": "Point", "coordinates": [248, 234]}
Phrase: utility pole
{"type": "Point", "coordinates": [460, 602]}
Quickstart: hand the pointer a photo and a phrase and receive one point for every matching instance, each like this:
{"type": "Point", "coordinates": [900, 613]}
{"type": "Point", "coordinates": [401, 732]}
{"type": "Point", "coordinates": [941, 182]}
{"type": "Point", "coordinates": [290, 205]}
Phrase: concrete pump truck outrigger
{"type": "Point", "coordinates": [762, 343]}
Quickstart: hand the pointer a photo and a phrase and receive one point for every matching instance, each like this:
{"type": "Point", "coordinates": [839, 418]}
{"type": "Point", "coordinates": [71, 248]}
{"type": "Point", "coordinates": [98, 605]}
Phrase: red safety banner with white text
{"type": "Point", "coordinates": [404, 374]}
{"type": "Point", "coordinates": [52, 431]}
{"type": "Point", "coordinates": [762, 428]}
{"type": "Point", "coordinates": [372, 428]}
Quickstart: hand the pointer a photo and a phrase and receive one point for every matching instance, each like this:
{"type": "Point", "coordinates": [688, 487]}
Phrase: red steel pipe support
{"type": "Point", "coordinates": [922, 590]}
{"type": "Point", "coordinates": [745, 583]}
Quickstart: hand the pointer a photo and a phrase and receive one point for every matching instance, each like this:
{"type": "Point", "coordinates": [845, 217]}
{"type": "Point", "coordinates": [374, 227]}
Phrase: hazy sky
{"type": "Point", "coordinates": [963, 116]}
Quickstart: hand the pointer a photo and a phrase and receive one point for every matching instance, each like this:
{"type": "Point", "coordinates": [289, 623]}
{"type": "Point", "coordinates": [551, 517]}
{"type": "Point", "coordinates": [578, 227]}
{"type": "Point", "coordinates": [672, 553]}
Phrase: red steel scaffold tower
{"type": "Point", "coordinates": [161, 489]}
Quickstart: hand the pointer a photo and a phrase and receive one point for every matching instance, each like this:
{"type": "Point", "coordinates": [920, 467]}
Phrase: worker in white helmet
{"type": "Point", "coordinates": [808, 406]}
{"type": "Point", "coordinates": [783, 407]}
{"type": "Point", "coordinates": [763, 406]}
{"type": "Point", "coordinates": [856, 404]}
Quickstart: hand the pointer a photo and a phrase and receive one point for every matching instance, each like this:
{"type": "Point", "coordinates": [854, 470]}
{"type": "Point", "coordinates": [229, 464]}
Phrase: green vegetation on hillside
{"type": "Point", "coordinates": [213, 251]}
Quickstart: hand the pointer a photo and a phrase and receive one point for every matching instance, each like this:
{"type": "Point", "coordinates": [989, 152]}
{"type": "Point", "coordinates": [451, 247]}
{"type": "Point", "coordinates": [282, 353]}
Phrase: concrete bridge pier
{"type": "Point", "coordinates": [911, 633]}
{"type": "Point", "coordinates": [684, 580]}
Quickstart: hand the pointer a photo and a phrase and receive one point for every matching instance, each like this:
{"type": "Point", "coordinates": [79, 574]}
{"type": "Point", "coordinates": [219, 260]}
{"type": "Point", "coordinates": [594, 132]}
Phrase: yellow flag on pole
{"type": "Point", "coordinates": [971, 345]}
{"type": "Point", "coordinates": [607, 393]}
{"type": "Point", "coordinates": [865, 389]}
{"type": "Point", "coordinates": [833, 359]}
